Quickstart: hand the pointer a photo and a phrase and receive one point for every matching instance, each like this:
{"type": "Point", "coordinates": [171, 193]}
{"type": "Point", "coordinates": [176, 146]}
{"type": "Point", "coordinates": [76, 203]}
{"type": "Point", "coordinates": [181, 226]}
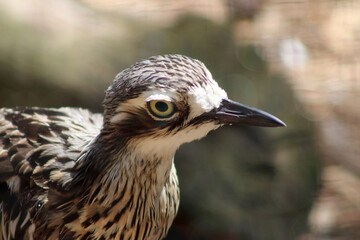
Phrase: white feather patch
{"type": "Point", "coordinates": [14, 184]}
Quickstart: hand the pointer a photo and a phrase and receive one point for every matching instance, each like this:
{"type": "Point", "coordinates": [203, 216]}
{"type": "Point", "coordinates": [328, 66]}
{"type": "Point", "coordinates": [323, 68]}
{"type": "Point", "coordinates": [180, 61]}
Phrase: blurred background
{"type": "Point", "coordinates": [297, 59]}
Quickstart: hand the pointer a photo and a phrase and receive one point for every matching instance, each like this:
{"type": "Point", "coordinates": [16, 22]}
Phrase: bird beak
{"type": "Point", "coordinates": [230, 112]}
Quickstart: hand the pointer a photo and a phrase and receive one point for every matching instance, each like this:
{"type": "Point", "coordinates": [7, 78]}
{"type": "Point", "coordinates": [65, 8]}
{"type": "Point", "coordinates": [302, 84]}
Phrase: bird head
{"type": "Point", "coordinates": [165, 101]}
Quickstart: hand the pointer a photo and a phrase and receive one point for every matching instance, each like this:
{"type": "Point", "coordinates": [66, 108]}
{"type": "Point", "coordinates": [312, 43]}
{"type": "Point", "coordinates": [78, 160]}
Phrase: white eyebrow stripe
{"type": "Point", "coordinates": [159, 97]}
{"type": "Point", "coordinates": [119, 117]}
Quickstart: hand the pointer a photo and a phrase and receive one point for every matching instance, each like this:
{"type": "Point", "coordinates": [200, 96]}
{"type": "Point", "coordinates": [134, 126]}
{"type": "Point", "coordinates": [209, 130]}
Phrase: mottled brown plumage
{"type": "Point", "coordinates": [70, 174]}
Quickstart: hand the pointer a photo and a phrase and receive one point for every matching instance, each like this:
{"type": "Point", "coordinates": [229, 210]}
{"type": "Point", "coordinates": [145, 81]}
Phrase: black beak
{"type": "Point", "coordinates": [230, 112]}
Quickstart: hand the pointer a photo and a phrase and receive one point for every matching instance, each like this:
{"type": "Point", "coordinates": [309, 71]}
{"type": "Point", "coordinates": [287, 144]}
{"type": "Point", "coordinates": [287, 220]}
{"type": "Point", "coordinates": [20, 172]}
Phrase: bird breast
{"type": "Point", "coordinates": [132, 207]}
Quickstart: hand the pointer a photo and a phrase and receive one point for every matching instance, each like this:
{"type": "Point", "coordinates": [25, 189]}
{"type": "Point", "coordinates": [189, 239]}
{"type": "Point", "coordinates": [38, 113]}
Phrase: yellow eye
{"type": "Point", "coordinates": [161, 109]}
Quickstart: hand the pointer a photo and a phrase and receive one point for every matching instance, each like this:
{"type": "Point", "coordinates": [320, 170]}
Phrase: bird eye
{"type": "Point", "coordinates": [161, 109]}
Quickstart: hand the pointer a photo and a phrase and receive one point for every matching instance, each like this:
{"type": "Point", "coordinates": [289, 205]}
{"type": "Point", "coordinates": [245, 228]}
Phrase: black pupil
{"type": "Point", "coordinates": [161, 106]}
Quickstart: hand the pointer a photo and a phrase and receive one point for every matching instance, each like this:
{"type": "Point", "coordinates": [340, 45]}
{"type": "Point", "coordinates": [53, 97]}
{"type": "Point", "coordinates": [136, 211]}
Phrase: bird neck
{"type": "Point", "coordinates": [133, 163]}
{"type": "Point", "coordinates": [129, 188]}
{"type": "Point", "coordinates": [143, 169]}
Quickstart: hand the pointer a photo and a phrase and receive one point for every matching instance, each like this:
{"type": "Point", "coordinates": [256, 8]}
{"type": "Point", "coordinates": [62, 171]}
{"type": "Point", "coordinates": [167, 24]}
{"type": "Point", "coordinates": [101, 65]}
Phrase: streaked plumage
{"type": "Point", "coordinates": [70, 174]}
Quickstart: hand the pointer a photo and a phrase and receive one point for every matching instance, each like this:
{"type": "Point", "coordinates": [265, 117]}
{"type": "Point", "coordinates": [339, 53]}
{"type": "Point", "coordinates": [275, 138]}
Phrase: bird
{"type": "Point", "coordinates": [68, 173]}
